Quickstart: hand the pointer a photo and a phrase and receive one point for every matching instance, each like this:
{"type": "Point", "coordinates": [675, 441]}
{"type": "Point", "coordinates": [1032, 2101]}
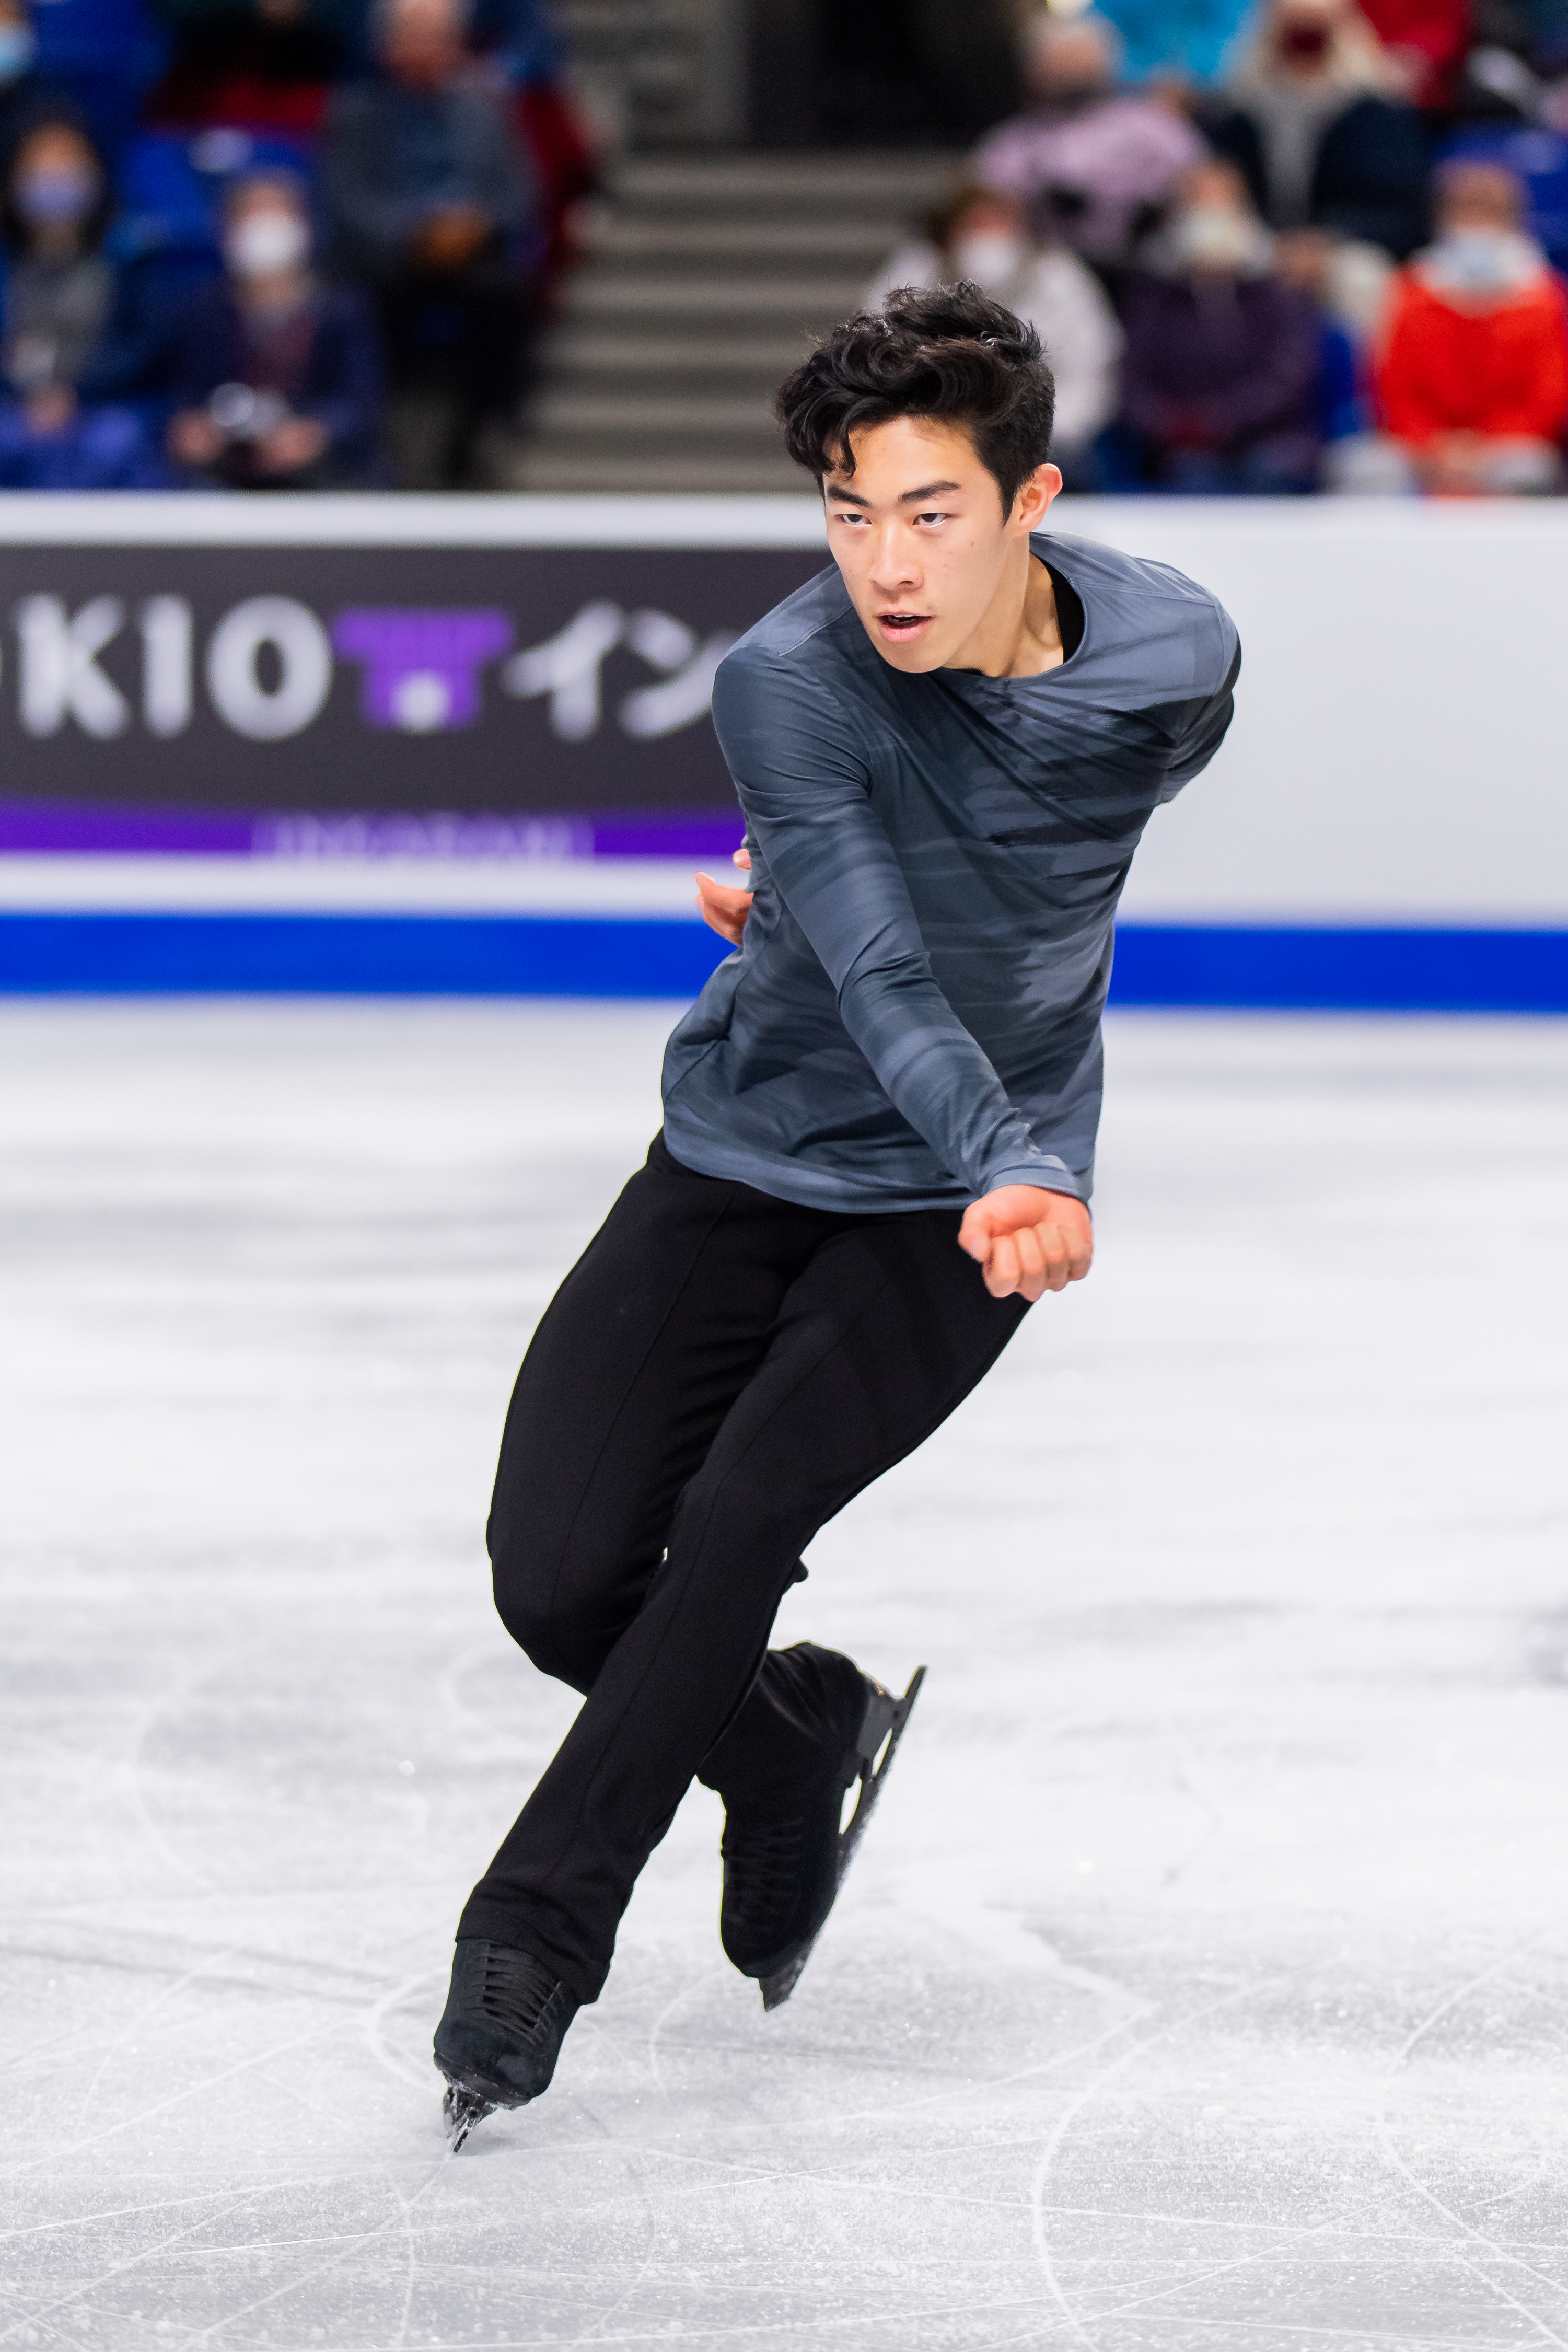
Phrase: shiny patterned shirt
{"type": "Point", "coordinates": [913, 1018]}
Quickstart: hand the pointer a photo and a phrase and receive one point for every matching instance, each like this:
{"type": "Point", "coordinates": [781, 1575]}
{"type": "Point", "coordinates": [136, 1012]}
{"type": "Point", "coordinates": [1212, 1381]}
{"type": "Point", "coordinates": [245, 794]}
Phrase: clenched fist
{"type": "Point", "coordinates": [1028, 1241]}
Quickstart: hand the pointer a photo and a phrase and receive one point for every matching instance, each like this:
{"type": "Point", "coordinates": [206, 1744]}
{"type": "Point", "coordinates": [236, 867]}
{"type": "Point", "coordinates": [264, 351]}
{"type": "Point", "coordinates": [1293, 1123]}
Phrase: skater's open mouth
{"type": "Point", "coordinates": [902, 626]}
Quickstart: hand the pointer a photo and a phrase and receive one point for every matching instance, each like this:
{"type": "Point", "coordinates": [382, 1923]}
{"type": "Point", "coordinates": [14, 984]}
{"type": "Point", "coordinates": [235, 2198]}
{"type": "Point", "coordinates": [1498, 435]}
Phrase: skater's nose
{"type": "Point", "coordinates": [894, 567]}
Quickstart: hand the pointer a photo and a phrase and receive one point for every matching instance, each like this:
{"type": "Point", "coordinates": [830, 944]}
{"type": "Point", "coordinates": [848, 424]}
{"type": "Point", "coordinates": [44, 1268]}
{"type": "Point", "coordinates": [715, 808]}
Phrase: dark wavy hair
{"type": "Point", "coordinates": [949, 351]}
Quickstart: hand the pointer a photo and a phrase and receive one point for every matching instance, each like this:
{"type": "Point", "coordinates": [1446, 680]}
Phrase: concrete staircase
{"type": "Point", "coordinates": [707, 279]}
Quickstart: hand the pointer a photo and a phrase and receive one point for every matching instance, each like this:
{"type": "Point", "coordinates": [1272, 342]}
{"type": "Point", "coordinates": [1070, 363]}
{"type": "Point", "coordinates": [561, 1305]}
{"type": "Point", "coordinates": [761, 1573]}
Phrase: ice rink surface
{"type": "Point", "coordinates": [1201, 1985]}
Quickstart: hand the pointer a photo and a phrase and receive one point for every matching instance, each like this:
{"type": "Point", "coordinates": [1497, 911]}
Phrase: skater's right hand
{"type": "Point", "coordinates": [724, 910]}
{"type": "Point", "coordinates": [1028, 1241]}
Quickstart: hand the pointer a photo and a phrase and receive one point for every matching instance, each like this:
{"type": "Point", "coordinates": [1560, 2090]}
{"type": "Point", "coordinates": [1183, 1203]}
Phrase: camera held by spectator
{"type": "Point", "coordinates": [278, 381]}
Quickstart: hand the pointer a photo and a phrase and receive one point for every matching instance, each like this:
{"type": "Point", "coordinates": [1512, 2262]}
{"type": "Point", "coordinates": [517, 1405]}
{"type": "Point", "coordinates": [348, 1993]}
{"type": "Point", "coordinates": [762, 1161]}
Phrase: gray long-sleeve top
{"type": "Point", "coordinates": [391, 157]}
{"type": "Point", "coordinates": [913, 1018]}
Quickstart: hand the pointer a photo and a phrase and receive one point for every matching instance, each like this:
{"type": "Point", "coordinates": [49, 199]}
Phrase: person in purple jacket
{"type": "Point", "coordinates": [1219, 380]}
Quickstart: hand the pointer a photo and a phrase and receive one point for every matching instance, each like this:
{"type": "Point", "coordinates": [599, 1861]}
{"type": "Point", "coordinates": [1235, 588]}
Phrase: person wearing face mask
{"type": "Point", "coordinates": [1473, 364]}
{"type": "Point", "coordinates": [1219, 377]}
{"type": "Point", "coordinates": [278, 381]}
{"type": "Point", "coordinates": [65, 348]}
{"type": "Point", "coordinates": [980, 236]}
{"type": "Point", "coordinates": [1092, 165]}
{"type": "Point", "coordinates": [1315, 120]}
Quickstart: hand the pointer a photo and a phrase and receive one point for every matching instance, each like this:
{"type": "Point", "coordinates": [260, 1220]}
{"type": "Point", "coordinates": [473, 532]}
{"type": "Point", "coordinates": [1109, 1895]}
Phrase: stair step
{"type": "Point", "coordinates": [813, 181]}
{"type": "Point", "coordinates": [852, 244]}
{"type": "Point", "coordinates": [549, 469]}
{"type": "Point", "coordinates": [705, 281]}
{"type": "Point", "coordinates": [573, 350]}
{"type": "Point", "coordinates": [560, 410]}
{"type": "Point", "coordinates": [811, 301]}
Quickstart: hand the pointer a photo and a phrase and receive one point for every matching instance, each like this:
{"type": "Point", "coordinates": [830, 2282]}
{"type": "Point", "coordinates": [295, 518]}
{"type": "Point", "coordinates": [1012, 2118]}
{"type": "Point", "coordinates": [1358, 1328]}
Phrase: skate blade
{"type": "Point", "coordinates": [460, 2110]}
{"type": "Point", "coordinates": [885, 1717]}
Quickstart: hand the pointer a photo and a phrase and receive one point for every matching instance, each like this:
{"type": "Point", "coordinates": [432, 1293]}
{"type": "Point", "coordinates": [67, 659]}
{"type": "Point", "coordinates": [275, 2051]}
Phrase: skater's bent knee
{"type": "Point", "coordinates": [568, 1643]}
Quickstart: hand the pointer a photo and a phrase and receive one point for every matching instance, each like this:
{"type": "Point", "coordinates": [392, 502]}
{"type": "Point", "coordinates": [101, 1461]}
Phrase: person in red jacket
{"type": "Point", "coordinates": [1472, 374]}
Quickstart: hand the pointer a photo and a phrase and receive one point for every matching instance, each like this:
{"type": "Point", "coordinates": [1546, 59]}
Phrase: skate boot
{"type": "Point", "coordinates": [783, 1868]}
{"type": "Point", "coordinates": [501, 2033]}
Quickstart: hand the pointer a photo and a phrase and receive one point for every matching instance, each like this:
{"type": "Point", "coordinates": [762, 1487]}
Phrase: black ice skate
{"type": "Point", "coordinates": [500, 2035]}
{"type": "Point", "coordinates": [782, 1871]}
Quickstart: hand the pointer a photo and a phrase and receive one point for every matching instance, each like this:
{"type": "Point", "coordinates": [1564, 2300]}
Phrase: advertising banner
{"type": "Point", "coordinates": [463, 744]}
{"type": "Point", "coordinates": [512, 685]}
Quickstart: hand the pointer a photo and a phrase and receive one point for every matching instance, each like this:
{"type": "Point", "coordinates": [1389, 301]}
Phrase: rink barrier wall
{"type": "Point", "coordinates": [429, 796]}
{"type": "Point", "coordinates": [1390, 970]}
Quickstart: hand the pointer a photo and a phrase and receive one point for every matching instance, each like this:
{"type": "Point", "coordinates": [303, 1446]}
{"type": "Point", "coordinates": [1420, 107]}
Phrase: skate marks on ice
{"type": "Point", "coordinates": [1389, 2227]}
{"type": "Point", "coordinates": [1191, 1992]}
{"type": "Point", "coordinates": [850, 2174]}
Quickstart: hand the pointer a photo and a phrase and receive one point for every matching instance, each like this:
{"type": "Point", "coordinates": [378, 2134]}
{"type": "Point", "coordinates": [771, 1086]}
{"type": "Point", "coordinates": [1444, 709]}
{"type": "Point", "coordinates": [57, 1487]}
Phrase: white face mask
{"type": "Point", "coordinates": [1482, 261]}
{"type": "Point", "coordinates": [1217, 237]}
{"type": "Point", "coordinates": [991, 256]}
{"type": "Point", "coordinates": [264, 242]}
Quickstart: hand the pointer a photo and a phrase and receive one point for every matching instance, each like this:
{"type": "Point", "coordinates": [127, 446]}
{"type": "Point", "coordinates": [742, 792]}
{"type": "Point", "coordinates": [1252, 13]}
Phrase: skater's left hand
{"type": "Point", "coordinates": [1028, 1241]}
{"type": "Point", "coordinates": [726, 910]}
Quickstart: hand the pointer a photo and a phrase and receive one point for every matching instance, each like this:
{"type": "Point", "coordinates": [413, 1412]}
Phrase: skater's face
{"type": "Point", "coordinates": [936, 571]}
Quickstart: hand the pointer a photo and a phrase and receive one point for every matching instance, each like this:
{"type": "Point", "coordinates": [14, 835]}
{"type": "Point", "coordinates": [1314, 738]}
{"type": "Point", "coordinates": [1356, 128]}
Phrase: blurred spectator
{"type": "Point", "coordinates": [1472, 375]}
{"type": "Point", "coordinates": [432, 206]}
{"type": "Point", "coordinates": [1093, 164]}
{"type": "Point", "coordinates": [58, 429]}
{"type": "Point", "coordinates": [1347, 284]}
{"type": "Point", "coordinates": [253, 64]}
{"type": "Point", "coordinates": [1537, 155]}
{"type": "Point", "coordinates": [277, 380]}
{"type": "Point", "coordinates": [518, 44]}
{"type": "Point", "coordinates": [985, 237]}
{"type": "Point", "coordinates": [1220, 373]}
{"type": "Point", "coordinates": [1317, 127]}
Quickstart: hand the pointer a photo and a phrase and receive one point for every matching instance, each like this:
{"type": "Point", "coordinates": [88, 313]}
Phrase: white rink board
{"type": "Point", "coordinates": [1399, 751]}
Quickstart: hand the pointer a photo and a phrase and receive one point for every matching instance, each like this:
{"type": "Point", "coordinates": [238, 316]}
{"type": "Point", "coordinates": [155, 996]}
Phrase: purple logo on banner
{"type": "Point", "coordinates": [420, 669]}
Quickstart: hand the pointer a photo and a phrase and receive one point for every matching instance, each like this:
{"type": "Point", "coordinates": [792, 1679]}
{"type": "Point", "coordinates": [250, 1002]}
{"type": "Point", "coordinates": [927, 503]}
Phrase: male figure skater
{"type": "Point", "coordinates": [878, 1141]}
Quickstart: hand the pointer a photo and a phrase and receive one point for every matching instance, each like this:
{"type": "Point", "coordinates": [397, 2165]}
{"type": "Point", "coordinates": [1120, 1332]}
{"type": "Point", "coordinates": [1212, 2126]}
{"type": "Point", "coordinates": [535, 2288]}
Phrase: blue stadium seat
{"type": "Point", "coordinates": [164, 239]}
{"type": "Point", "coordinates": [107, 53]}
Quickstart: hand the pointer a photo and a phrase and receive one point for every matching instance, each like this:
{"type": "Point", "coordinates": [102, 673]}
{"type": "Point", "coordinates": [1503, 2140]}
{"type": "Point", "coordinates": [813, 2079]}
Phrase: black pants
{"type": "Point", "coordinates": [465, 334]}
{"type": "Point", "coordinates": [719, 1374]}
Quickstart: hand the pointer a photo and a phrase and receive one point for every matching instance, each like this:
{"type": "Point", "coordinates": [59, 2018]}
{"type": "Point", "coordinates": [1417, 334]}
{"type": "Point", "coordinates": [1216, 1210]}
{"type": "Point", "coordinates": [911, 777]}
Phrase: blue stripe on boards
{"type": "Point", "coordinates": [1284, 968]}
{"type": "Point", "coordinates": [350, 955]}
{"type": "Point", "coordinates": [1263, 967]}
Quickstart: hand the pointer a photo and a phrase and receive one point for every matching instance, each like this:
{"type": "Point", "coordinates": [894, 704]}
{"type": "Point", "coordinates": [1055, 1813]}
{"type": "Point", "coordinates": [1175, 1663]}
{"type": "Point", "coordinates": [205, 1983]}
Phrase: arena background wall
{"type": "Point", "coordinates": [461, 747]}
